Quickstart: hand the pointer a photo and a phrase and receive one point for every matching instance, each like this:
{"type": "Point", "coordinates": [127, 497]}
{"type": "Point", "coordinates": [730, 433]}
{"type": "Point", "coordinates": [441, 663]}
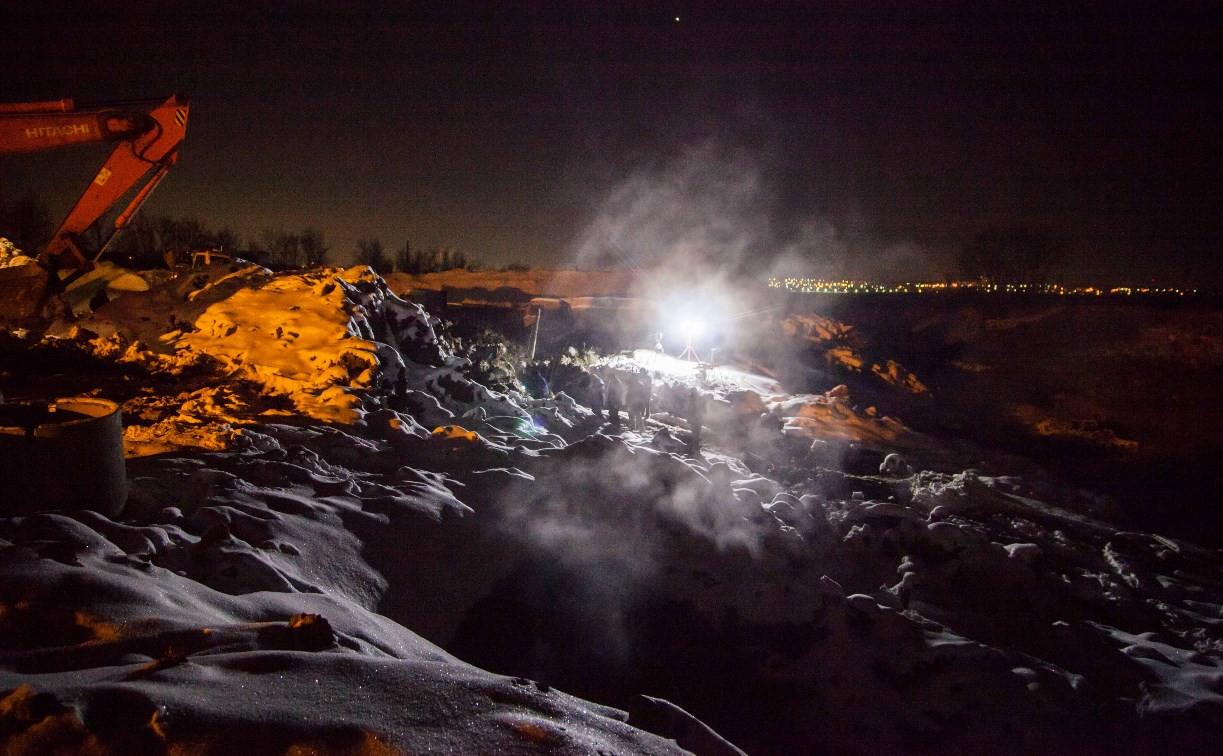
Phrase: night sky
{"type": "Point", "coordinates": [820, 137]}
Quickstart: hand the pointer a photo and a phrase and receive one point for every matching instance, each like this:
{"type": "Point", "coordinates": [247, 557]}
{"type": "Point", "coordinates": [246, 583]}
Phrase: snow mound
{"type": "Point", "coordinates": [10, 256]}
{"type": "Point", "coordinates": [363, 504]}
{"type": "Point", "coordinates": [330, 345]}
{"type": "Point", "coordinates": [843, 347]}
{"type": "Point", "coordinates": [822, 418]}
{"type": "Point", "coordinates": [298, 336]}
{"type": "Point", "coordinates": [232, 609]}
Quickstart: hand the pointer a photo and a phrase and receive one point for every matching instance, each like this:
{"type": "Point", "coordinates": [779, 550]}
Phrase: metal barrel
{"type": "Point", "coordinates": [66, 454]}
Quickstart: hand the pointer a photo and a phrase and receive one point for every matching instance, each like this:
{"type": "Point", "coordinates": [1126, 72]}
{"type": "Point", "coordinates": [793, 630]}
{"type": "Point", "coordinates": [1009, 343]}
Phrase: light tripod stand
{"type": "Point", "coordinates": [689, 353]}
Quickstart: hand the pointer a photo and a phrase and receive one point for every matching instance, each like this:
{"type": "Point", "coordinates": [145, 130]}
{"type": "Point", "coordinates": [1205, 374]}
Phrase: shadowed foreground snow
{"type": "Point", "coordinates": [292, 563]}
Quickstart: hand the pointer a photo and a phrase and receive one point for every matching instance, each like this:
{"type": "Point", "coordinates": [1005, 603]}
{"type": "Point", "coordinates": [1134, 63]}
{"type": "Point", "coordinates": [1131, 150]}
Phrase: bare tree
{"type": "Point", "coordinates": [180, 233]}
{"type": "Point", "coordinates": [26, 222]}
{"type": "Point", "coordinates": [313, 249]}
{"type": "Point", "coordinates": [370, 252]}
{"type": "Point", "coordinates": [227, 240]}
{"type": "Point", "coordinates": [284, 249]}
{"type": "Point", "coordinates": [137, 245]}
{"type": "Point", "coordinates": [404, 262]}
{"type": "Point", "coordinates": [435, 260]}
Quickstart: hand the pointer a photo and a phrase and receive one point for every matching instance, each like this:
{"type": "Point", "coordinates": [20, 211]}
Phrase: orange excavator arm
{"type": "Point", "coordinates": [148, 139]}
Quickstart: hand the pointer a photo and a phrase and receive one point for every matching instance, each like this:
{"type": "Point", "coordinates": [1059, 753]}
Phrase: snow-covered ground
{"type": "Point", "coordinates": [333, 532]}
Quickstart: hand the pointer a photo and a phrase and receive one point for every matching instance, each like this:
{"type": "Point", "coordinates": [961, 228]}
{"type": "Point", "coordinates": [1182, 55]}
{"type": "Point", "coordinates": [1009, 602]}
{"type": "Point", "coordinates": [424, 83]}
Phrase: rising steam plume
{"type": "Point", "coordinates": [715, 214]}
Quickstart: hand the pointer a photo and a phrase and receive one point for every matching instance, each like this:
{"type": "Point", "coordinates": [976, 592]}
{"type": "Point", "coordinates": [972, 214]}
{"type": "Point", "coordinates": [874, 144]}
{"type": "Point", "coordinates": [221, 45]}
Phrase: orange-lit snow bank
{"type": "Point", "coordinates": [830, 417]}
{"type": "Point", "coordinates": [818, 328]}
{"type": "Point", "coordinates": [1090, 431]}
{"type": "Point", "coordinates": [298, 336]}
{"type": "Point", "coordinates": [844, 346]}
{"type": "Point", "coordinates": [10, 256]}
{"type": "Point", "coordinates": [333, 342]}
{"type": "Point", "coordinates": [329, 345]}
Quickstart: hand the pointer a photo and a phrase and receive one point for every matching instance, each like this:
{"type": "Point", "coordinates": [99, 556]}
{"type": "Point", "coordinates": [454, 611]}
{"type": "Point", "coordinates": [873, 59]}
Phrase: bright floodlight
{"type": "Point", "coordinates": [691, 328]}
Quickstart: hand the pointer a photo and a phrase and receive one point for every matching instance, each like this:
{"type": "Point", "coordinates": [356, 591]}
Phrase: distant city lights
{"type": "Point", "coordinates": [821, 286]}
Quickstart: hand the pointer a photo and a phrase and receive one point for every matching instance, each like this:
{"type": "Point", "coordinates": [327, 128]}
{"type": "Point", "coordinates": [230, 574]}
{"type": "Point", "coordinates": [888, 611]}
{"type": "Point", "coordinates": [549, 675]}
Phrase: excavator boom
{"type": "Point", "coordinates": [148, 139]}
{"type": "Point", "coordinates": [31, 126]}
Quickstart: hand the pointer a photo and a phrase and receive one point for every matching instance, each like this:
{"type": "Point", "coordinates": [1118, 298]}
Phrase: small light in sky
{"type": "Point", "coordinates": [677, 19]}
